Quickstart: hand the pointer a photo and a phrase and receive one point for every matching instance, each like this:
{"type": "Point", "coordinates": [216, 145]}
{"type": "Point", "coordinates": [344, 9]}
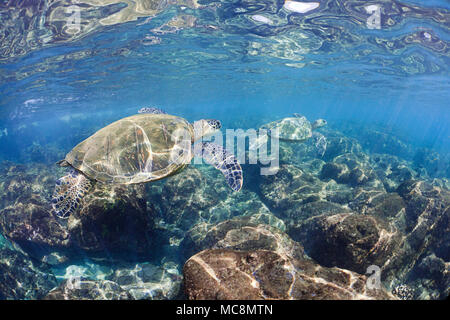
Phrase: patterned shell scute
{"type": "Point", "coordinates": [136, 149]}
{"type": "Point", "coordinates": [295, 129]}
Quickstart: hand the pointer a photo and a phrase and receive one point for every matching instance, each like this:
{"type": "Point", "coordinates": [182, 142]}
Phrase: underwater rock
{"type": "Point", "coordinates": [21, 278]}
{"type": "Point", "coordinates": [431, 267]}
{"type": "Point", "coordinates": [200, 196]}
{"type": "Point", "coordinates": [335, 171]}
{"type": "Point", "coordinates": [147, 281]}
{"type": "Point", "coordinates": [426, 222]}
{"type": "Point", "coordinates": [424, 205]}
{"type": "Point", "coordinates": [347, 240]}
{"type": "Point", "coordinates": [294, 195]}
{"type": "Point", "coordinates": [41, 154]}
{"type": "Point", "coordinates": [302, 154]}
{"type": "Point", "coordinates": [113, 218]}
{"type": "Point", "coordinates": [338, 144]}
{"type": "Point", "coordinates": [391, 170]}
{"type": "Point", "coordinates": [290, 187]}
{"type": "Point", "coordinates": [243, 234]}
{"type": "Point", "coordinates": [442, 183]}
{"type": "Point", "coordinates": [339, 193]}
{"type": "Point", "coordinates": [431, 161]}
{"type": "Point", "coordinates": [177, 23]}
{"type": "Point", "coordinates": [30, 224]}
{"type": "Point", "coordinates": [374, 140]}
{"type": "Point", "coordinates": [82, 289]}
{"type": "Point", "coordinates": [13, 184]}
{"type": "Point", "coordinates": [26, 218]}
{"type": "Point", "coordinates": [263, 274]}
{"type": "Point", "coordinates": [315, 208]}
{"type": "Point", "coordinates": [181, 198]}
{"type": "Point", "coordinates": [84, 268]}
{"type": "Point", "coordinates": [431, 278]}
{"type": "Point", "coordinates": [387, 206]}
{"type": "Point", "coordinates": [24, 181]}
{"type": "Point", "coordinates": [349, 169]}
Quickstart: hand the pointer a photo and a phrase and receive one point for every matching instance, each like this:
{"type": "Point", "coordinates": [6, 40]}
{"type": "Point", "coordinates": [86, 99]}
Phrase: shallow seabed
{"type": "Point", "coordinates": [366, 217]}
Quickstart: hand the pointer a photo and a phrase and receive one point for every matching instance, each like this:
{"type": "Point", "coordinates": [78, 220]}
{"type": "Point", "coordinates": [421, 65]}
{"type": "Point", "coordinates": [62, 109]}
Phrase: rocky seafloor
{"type": "Point", "coordinates": [315, 230]}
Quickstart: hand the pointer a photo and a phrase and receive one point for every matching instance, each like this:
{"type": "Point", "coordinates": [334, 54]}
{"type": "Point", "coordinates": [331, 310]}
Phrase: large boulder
{"type": "Point", "coordinates": [387, 206]}
{"type": "Point", "coordinates": [198, 196]}
{"type": "Point", "coordinates": [377, 140]}
{"type": "Point", "coordinates": [23, 278]}
{"type": "Point", "coordinates": [290, 187]}
{"type": "Point", "coordinates": [422, 260]}
{"type": "Point", "coordinates": [350, 169]}
{"type": "Point", "coordinates": [338, 144]}
{"type": "Point", "coordinates": [25, 215]}
{"type": "Point", "coordinates": [347, 240]}
{"type": "Point", "coordinates": [263, 274]}
{"type": "Point", "coordinates": [83, 289]}
{"type": "Point", "coordinates": [147, 281]}
{"type": "Point", "coordinates": [29, 223]}
{"type": "Point", "coordinates": [243, 259]}
{"type": "Point", "coordinates": [243, 233]}
{"type": "Point", "coordinates": [434, 164]}
{"type": "Point", "coordinates": [113, 218]}
{"type": "Point", "coordinates": [25, 181]}
{"type": "Point", "coordinates": [391, 170]}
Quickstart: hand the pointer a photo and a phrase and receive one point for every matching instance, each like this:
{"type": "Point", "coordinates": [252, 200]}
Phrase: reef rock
{"type": "Point", "coordinates": [22, 278]}
{"type": "Point", "coordinates": [391, 170]}
{"type": "Point", "coordinates": [82, 289]}
{"type": "Point", "coordinates": [375, 140]}
{"type": "Point", "coordinates": [290, 186]}
{"type": "Point", "coordinates": [243, 233]}
{"type": "Point", "coordinates": [262, 274]}
{"type": "Point", "coordinates": [147, 281]}
{"type": "Point", "coordinates": [350, 169]}
{"type": "Point", "coordinates": [338, 144]}
{"type": "Point", "coordinates": [347, 240]}
{"type": "Point", "coordinates": [29, 223]}
{"type": "Point", "coordinates": [432, 162]}
{"type": "Point", "coordinates": [386, 206]}
{"type": "Point", "coordinates": [295, 195]}
{"type": "Point", "coordinates": [113, 218]}
{"type": "Point", "coordinates": [200, 196]}
{"type": "Point", "coordinates": [25, 217]}
{"type": "Point", "coordinates": [421, 262]}
{"type": "Point", "coordinates": [25, 181]}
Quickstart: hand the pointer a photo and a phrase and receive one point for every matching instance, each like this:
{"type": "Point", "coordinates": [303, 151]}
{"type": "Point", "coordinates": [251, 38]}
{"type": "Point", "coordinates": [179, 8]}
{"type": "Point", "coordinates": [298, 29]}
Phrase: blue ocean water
{"type": "Point", "coordinates": [219, 60]}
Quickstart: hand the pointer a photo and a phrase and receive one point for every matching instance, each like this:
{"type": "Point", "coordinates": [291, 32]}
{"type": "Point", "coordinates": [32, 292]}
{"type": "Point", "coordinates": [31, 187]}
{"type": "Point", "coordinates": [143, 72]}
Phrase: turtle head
{"type": "Point", "coordinates": [205, 127]}
{"type": "Point", "coordinates": [319, 123]}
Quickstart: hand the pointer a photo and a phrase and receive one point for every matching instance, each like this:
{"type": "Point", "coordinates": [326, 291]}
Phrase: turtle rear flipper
{"type": "Point", "coordinates": [222, 160]}
{"type": "Point", "coordinates": [69, 190]}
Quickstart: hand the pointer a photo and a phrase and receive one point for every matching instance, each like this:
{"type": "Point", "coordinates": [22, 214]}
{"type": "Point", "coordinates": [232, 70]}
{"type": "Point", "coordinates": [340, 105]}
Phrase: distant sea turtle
{"type": "Point", "coordinates": [145, 147]}
{"type": "Point", "coordinates": [296, 128]}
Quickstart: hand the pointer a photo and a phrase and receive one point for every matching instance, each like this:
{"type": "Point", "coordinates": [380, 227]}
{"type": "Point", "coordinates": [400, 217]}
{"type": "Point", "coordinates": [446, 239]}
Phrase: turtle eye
{"type": "Point", "coordinates": [215, 124]}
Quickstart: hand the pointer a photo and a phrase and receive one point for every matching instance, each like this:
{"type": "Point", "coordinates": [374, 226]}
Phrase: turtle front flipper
{"type": "Point", "coordinates": [320, 142]}
{"type": "Point", "coordinates": [222, 160]}
{"type": "Point", "coordinates": [69, 190]}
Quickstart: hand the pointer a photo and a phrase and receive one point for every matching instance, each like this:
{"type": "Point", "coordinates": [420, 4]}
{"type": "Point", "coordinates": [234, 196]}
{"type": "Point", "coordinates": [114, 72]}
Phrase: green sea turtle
{"type": "Point", "coordinates": [145, 147]}
{"type": "Point", "coordinates": [296, 128]}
